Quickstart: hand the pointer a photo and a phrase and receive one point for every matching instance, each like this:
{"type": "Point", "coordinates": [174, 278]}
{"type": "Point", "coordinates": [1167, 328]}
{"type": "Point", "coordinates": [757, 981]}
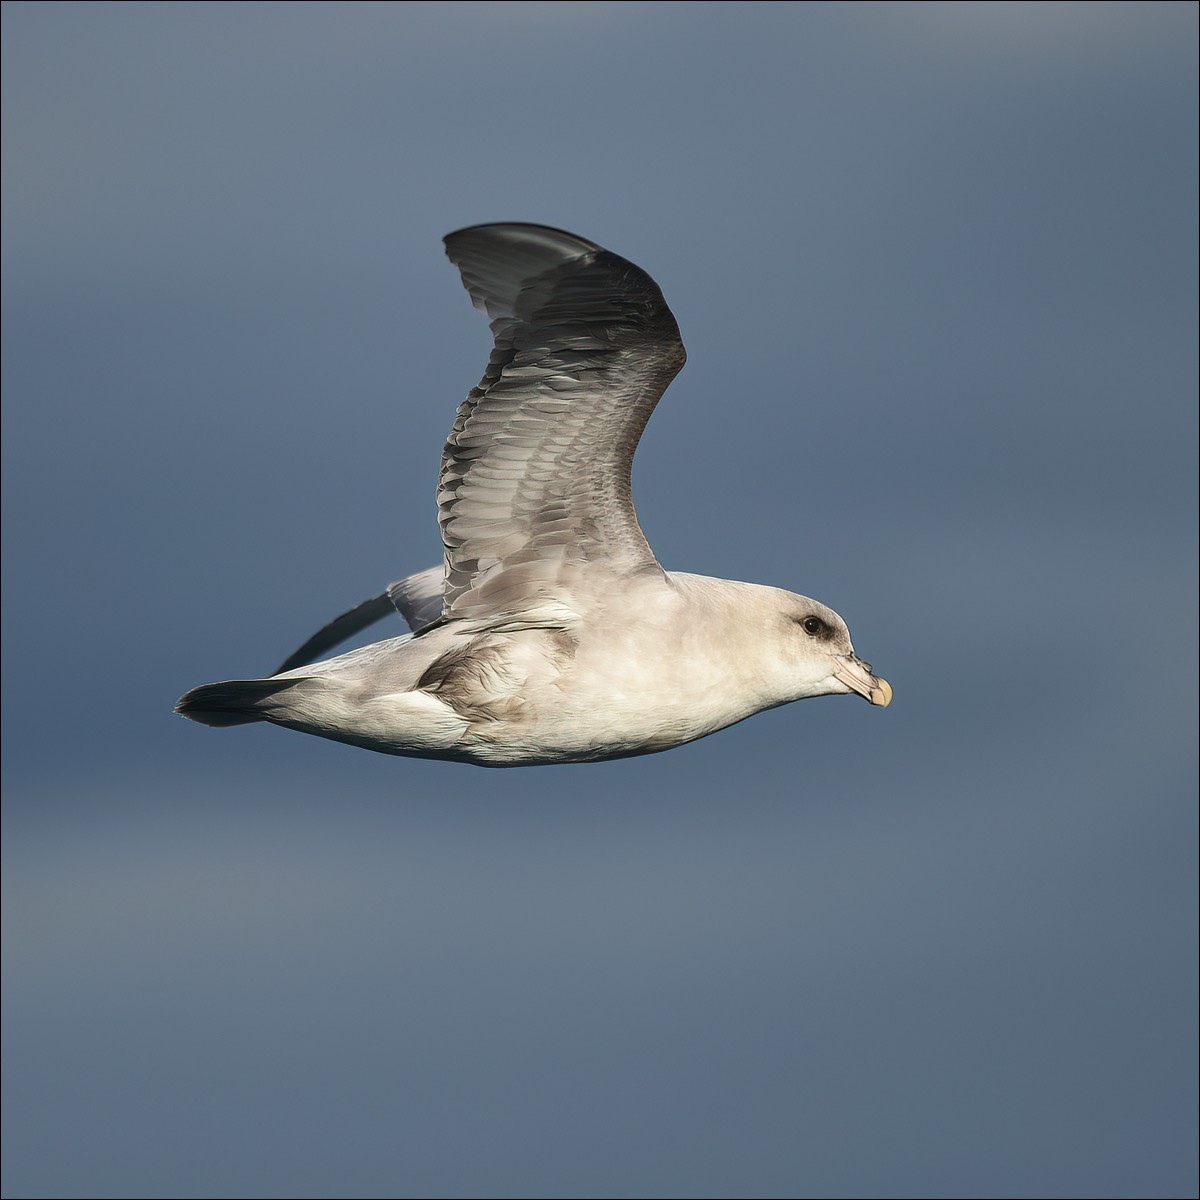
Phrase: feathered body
{"type": "Point", "coordinates": [551, 633]}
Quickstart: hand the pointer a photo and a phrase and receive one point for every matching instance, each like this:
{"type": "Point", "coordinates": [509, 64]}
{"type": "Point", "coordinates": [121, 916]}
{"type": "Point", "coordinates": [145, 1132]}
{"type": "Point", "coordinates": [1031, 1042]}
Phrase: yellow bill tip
{"type": "Point", "coordinates": [881, 694]}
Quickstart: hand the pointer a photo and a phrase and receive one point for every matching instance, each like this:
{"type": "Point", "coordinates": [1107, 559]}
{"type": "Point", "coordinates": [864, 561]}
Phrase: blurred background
{"type": "Point", "coordinates": [935, 268]}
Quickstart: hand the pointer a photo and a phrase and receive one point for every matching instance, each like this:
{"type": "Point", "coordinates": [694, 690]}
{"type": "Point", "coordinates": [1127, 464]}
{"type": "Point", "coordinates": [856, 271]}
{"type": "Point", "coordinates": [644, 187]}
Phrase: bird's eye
{"type": "Point", "coordinates": [813, 625]}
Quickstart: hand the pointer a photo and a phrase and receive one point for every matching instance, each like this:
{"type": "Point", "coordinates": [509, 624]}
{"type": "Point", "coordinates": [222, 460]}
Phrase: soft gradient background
{"type": "Point", "coordinates": [934, 264]}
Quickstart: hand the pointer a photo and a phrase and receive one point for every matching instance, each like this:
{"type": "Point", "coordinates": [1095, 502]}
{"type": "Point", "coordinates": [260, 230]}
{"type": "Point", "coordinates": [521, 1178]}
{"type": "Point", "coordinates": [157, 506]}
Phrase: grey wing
{"type": "Point", "coordinates": [417, 598]}
{"type": "Point", "coordinates": [535, 479]}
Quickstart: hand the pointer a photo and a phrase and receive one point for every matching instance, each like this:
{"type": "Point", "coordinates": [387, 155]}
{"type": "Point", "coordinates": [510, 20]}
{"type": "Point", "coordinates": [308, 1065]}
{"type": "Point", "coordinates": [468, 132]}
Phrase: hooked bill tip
{"type": "Point", "coordinates": [881, 694]}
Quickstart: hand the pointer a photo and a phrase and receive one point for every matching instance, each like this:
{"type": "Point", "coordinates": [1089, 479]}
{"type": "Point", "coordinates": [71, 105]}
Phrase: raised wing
{"type": "Point", "coordinates": [535, 480]}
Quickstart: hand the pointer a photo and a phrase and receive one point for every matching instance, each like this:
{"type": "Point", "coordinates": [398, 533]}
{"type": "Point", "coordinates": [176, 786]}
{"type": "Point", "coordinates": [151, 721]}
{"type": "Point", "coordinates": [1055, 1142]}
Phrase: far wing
{"type": "Point", "coordinates": [417, 598]}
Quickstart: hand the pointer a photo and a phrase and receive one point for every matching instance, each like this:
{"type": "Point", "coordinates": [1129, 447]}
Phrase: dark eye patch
{"type": "Point", "coordinates": [814, 626]}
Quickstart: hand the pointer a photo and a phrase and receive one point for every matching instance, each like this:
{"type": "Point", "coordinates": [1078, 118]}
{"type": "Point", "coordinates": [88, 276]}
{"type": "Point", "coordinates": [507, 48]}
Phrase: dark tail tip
{"type": "Point", "coordinates": [234, 702]}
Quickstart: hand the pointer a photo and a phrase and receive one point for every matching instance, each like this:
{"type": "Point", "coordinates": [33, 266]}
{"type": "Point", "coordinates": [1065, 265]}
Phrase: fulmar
{"type": "Point", "coordinates": [550, 633]}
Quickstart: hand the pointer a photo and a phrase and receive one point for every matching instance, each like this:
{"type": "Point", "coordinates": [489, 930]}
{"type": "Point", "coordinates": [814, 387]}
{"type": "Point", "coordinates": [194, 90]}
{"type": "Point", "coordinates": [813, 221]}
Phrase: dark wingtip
{"type": "Point", "coordinates": [526, 231]}
{"type": "Point", "coordinates": [360, 617]}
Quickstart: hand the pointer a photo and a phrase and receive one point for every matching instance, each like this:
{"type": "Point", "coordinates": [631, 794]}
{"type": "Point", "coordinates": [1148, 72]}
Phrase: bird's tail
{"type": "Point", "coordinates": [234, 702]}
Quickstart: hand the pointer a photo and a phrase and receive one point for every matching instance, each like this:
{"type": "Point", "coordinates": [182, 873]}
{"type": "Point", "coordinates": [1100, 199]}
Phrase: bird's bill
{"type": "Point", "coordinates": [856, 675]}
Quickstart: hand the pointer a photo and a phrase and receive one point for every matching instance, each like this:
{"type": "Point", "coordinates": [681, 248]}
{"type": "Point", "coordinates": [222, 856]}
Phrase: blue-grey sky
{"type": "Point", "coordinates": [935, 268]}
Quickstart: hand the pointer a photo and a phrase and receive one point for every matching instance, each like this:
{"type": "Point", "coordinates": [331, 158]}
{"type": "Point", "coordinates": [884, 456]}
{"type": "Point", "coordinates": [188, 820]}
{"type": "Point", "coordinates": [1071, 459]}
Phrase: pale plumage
{"type": "Point", "coordinates": [551, 633]}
